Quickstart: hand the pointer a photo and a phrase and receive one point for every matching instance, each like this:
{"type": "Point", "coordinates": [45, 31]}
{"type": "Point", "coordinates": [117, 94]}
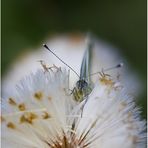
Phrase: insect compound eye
{"type": "Point", "coordinates": [84, 84]}
{"type": "Point", "coordinates": [81, 84]}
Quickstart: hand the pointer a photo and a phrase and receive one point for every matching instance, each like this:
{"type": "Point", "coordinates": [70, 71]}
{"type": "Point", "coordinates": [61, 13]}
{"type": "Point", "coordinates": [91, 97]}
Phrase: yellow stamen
{"type": "Point", "coordinates": [11, 101]}
{"type": "Point", "coordinates": [11, 125]}
{"type": "Point", "coordinates": [38, 95]}
{"type": "Point", "coordinates": [21, 107]}
{"type": "Point", "coordinates": [28, 118]}
{"type": "Point", "coordinates": [46, 115]}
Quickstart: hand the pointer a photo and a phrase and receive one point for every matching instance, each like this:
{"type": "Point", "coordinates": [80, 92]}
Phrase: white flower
{"type": "Point", "coordinates": [43, 114]}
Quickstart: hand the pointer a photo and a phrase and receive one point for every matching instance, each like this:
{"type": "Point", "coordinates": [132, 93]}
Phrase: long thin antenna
{"type": "Point", "coordinates": [60, 59]}
{"type": "Point", "coordinates": [117, 66]}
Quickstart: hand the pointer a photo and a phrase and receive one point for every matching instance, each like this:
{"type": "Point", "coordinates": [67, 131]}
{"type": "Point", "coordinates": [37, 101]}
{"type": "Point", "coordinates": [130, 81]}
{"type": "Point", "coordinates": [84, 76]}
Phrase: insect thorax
{"type": "Point", "coordinates": [81, 90]}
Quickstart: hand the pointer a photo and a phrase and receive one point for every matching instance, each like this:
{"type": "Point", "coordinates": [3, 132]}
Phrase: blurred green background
{"type": "Point", "coordinates": [26, 23]}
